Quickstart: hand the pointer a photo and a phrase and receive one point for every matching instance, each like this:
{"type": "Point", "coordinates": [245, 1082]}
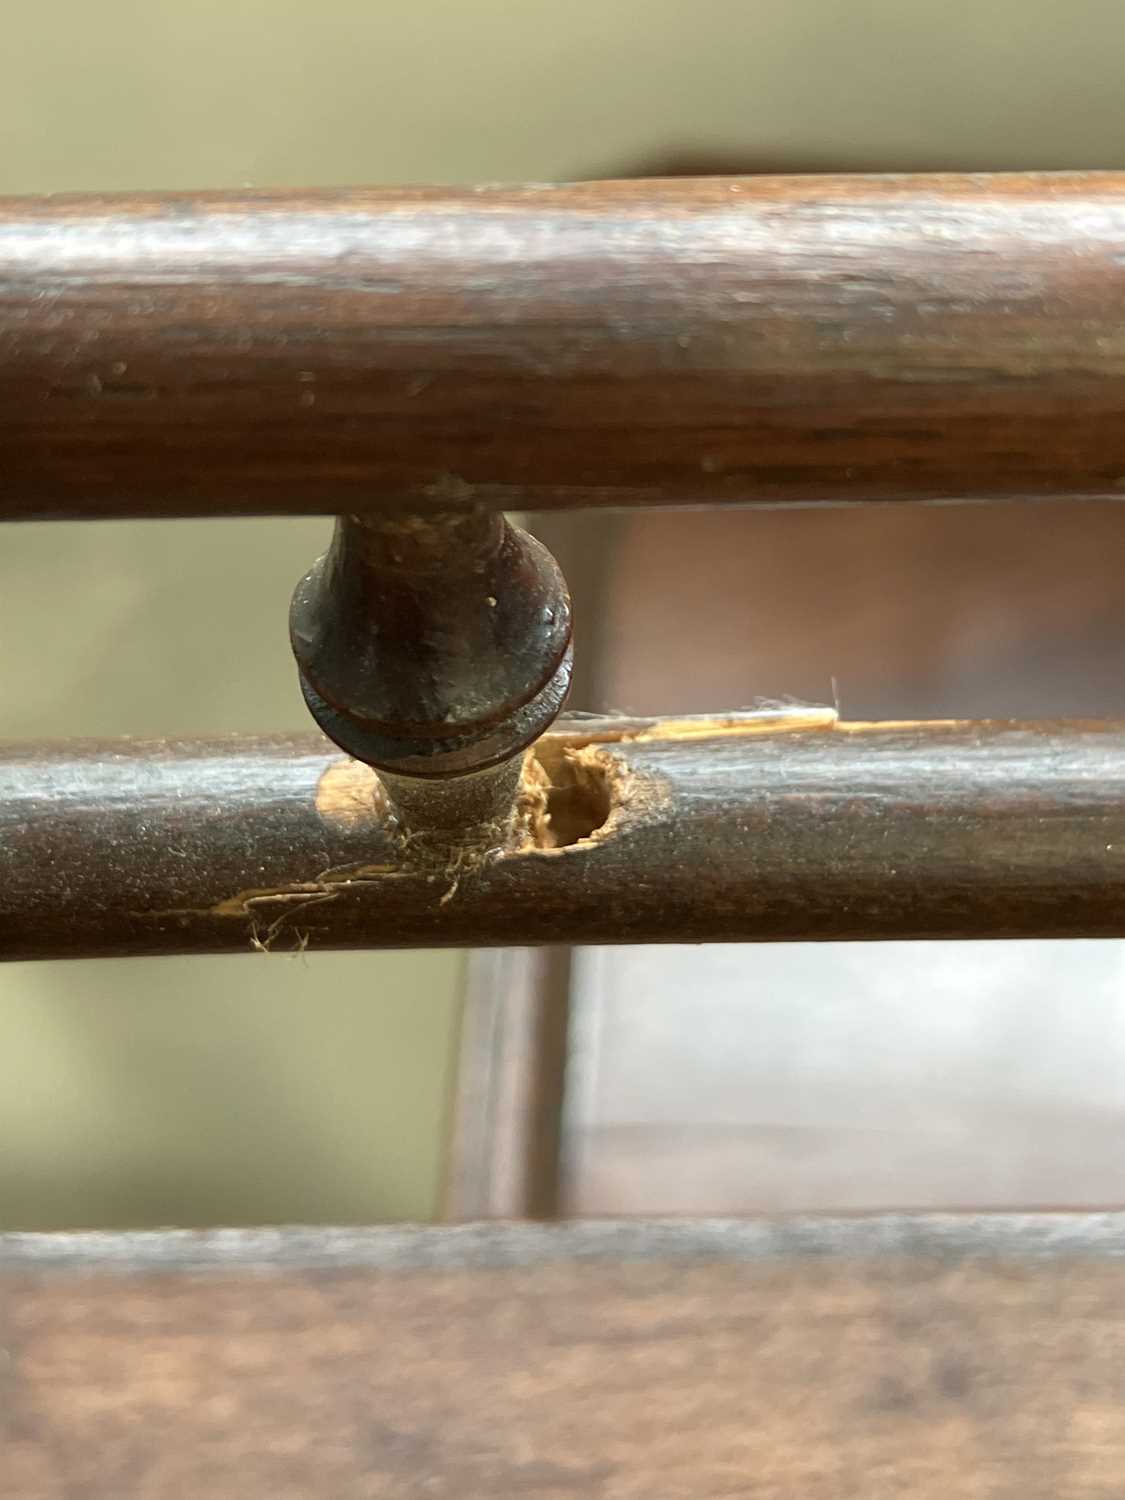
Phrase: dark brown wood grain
{"type": "Point", "coordinates": [932, 1358]}
{"type": "Point", "coordinates": [642, 343]}
{"type": "Point", "coordinates": [434, 645]}
{"type": "Point", "coordinates": [715, 830]}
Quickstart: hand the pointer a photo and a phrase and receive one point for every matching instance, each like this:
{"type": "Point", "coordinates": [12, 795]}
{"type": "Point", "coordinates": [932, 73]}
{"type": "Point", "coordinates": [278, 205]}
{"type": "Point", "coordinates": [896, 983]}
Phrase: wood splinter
{"type": "Point", "coordinates": [435, 648]}
{"type": "Point", "coordinates": [769, 826]}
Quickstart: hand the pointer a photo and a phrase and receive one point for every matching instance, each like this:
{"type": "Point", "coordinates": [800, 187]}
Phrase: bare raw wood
{"type": "Point", "coordinates": [770, 827]}
{"type": "Point", "coordinates": [934, 1357]}
{"type": "Point", "coordinates": [641, 343]}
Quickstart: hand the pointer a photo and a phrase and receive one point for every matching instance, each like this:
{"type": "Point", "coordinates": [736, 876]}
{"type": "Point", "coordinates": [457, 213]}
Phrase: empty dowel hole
{"type": "Point", "coordinates": [578, 798]}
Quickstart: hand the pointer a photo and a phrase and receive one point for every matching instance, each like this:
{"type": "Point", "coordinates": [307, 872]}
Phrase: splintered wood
{"type": "Point", "coordinates": [781, 824]}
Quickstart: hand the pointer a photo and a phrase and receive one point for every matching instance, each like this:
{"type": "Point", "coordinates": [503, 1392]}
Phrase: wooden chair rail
{"type": "Point", "coordinates": [780, 825]}
{"type": "Point", "coordinates": [393, 355]}
{"type": "Point", "coordinates": [727, 340]}
{"type": "Point", "coordinates": [943, 1356]}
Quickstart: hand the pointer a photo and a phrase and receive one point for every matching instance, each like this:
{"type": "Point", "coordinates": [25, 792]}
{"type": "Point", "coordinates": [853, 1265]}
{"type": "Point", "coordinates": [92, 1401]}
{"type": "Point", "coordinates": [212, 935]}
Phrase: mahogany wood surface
{"type": "Point", "coordinates": [719, 340]}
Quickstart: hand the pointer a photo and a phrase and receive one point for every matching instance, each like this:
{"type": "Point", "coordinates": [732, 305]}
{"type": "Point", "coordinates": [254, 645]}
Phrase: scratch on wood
{"type": "Point", "coordinates": [890, 726]}
{"type": "Point", "coordinates": [575, 794]}
{"type": "Point", "coordinates": [782, 720]}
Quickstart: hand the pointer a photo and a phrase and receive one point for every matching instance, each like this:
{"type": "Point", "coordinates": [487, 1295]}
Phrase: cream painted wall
{"type": "Point", "coordinates": [240, 1090]}
{"type": "Point", "coordinates": [232, 1090]}
{"type": "Point", "coordinates": [182, 93]}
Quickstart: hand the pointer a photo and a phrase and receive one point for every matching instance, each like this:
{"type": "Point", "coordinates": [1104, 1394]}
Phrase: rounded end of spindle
{"type": "Point", "coordinates": [434, 647]}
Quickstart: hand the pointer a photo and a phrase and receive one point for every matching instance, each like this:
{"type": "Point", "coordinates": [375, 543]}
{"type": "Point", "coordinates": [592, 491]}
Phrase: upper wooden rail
{"type": "Point", "coordinates": [642, 343]}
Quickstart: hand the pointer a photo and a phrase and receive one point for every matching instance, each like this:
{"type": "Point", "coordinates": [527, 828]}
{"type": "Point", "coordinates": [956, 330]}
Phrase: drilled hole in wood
{"type": "Point", "coordinates": [573, 796]}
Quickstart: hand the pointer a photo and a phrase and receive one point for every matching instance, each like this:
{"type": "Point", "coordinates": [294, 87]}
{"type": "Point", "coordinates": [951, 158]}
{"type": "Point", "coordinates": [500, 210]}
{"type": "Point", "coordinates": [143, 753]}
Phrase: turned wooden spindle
{"type": "Point", "coordinates": [436, 648]}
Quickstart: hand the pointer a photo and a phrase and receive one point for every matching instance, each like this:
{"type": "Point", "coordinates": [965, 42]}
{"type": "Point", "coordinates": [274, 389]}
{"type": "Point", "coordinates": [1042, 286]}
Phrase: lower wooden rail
{"type": "Point", "coordinates": [936, 1357]}
{"type": "Point", "coordinates": [772, 826]}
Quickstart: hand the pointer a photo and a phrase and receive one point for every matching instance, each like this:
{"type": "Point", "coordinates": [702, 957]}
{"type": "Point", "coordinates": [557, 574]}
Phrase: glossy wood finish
{"type": "Point", "coordinates": [935, 1358]}
{"type": "Point", "coordinates": [433, 645]}
{"type": "Point", "coordinates": [641, 343]}
{"type": "Point", "coordinates": [743, 829]}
